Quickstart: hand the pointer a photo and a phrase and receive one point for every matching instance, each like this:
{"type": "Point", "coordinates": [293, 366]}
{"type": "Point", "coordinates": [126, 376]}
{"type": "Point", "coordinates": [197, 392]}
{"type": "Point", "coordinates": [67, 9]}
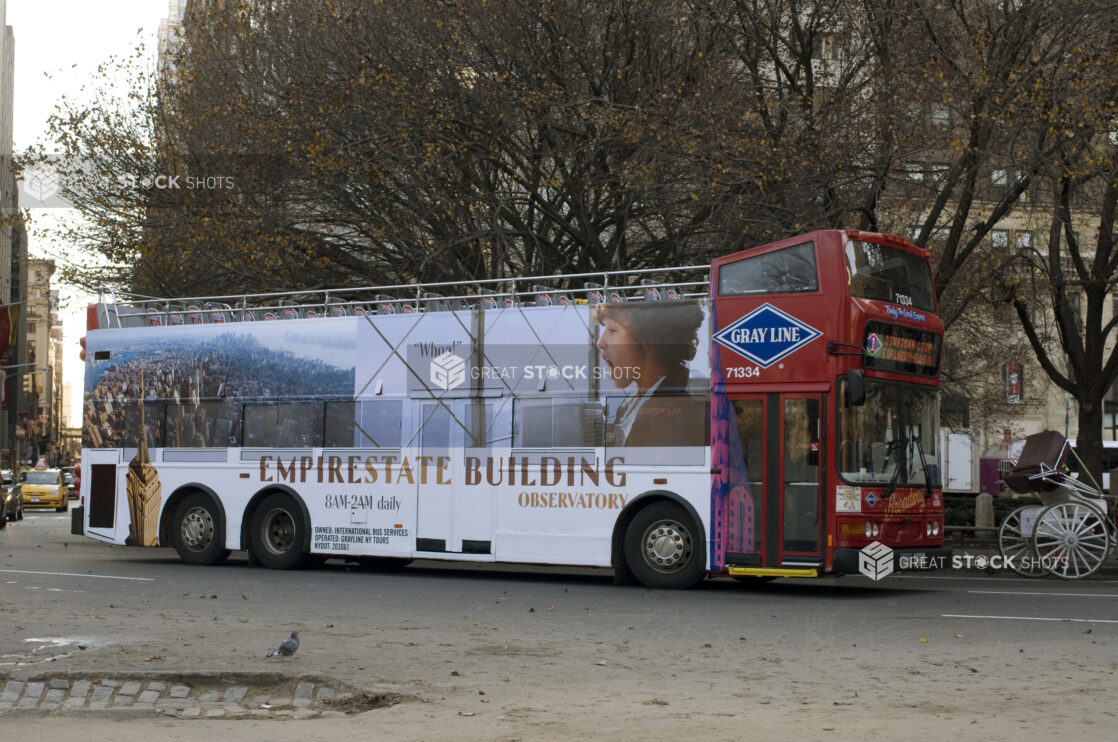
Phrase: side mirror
{"type": "Point", "coordinates": [856, 388]}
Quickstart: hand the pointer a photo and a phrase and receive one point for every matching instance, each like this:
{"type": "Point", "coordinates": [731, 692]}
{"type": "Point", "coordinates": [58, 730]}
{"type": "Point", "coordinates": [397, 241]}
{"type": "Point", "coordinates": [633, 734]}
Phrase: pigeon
{"type": "Point", "coordinates": [287, 647]}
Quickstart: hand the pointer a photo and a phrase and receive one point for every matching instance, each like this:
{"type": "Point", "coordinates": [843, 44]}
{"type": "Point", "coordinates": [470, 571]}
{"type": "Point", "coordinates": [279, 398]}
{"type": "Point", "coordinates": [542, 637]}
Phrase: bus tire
{"type": "Point", "coordinates": [277, 533]}
{"type": "Point", "coordinates": [662, 547]}
{"type": "Point", "coordinates": [198, 531]}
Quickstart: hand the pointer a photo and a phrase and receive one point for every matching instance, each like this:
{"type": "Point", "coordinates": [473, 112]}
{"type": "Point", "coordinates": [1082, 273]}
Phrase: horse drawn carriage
{"type": "Point", "coordinates": [1072, 532]}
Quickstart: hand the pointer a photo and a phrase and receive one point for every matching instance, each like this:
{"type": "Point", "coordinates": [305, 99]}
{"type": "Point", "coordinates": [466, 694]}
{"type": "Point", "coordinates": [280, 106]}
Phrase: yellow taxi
{"type": "Point", "coordinates": [44, 488]}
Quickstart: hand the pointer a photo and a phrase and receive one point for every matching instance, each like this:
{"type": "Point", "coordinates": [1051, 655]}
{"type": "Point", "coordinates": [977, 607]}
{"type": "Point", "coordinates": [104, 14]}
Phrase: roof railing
{"type": "Point", "coordinates": [648, 284]}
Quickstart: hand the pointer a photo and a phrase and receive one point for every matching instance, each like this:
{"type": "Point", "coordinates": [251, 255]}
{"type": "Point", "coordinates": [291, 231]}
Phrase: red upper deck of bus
{"type": "Point", "coordinates": [802, 311]}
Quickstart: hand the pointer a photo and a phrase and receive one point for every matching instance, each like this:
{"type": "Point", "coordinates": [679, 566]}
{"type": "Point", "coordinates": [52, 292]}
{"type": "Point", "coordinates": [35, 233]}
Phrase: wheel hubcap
{"type": "Point", "coordinates": [278, 532]}
{"type": "Point", "coordinates": [197, 528]}
{"type": "Point", "coordinates": [667, 546]}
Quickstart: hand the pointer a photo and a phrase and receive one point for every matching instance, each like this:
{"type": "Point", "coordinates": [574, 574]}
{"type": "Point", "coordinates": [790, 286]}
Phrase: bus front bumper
{"type": "Point", "coordinates": [911, 559]}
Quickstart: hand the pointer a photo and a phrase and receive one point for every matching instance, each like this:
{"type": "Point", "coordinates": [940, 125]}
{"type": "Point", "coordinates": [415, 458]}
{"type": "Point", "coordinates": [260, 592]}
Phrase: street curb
{"type": "Point", "coordinates": [190, 695]}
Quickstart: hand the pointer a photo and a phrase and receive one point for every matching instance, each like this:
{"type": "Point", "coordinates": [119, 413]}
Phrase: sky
{"type": "Point", "coordinates": [58, 46]}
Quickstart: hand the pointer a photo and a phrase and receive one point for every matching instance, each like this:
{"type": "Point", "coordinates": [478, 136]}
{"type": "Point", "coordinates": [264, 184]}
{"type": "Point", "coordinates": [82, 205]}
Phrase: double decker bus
{"type": "Point", "coordinates": [768, 415]}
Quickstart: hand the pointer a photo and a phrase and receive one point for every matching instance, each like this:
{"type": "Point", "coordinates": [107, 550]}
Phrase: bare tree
{"type": "Point", "coordinates": [412, 140]}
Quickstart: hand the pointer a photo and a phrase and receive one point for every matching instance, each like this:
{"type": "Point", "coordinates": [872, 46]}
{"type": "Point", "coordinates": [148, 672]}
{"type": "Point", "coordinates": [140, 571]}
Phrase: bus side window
{"type": "Point", "coordinates": [153, 424]}
{"type": "Point", "coordinates": [532, 423]}
{"type": "Point", "coordinates": [207, 424]}
{"type": "Point", "coordinates": [282, 424]}
{"type": "Point", "coordinates": [338, 428]}
{"type": "Point", "coordinates": [485, 426]}
{"type": "Point", "coordinates": [434, 433]}
{"type": "Point", "coordinates": [556, 422]}
{"type": "Point", "coordinates": [379, 423]}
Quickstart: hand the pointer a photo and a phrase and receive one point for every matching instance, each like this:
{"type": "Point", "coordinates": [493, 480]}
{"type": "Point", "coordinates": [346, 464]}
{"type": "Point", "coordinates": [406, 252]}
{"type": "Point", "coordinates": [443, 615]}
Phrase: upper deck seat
{"type": "Point", "coordinates": [488, 298]}
{"type": "Point", "coordinates": [176, 315]}
{"type": "Point", "coordinates": [385, 304]}
{"type": "Point", "coordinates": [121, 315]}
{"type": "Point", "coordinates": [546, 297]}
{"type": "Point", "coordinates": [218, 313]}
{"type": "Point", "coordinates": [155, 314]}
{"type": "Point", "coordinates": [291, 310]}
{"type": "Point", "coordinates": [432, 302]}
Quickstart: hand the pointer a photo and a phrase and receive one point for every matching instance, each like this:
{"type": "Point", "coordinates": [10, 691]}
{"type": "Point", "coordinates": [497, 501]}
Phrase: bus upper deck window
{"type": "Point", "coordinates": [787, 271]}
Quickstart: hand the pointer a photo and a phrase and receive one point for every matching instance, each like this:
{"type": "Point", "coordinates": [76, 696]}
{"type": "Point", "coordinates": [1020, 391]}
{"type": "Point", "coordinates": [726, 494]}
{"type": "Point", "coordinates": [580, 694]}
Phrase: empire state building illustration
{"type": "Point", "coordinates": [144, 490]}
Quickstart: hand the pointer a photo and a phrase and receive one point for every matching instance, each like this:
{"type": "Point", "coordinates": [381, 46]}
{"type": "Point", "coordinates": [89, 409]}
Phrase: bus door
{"type": "Point", "coordinates": [99, 489]}
{"type": "Point", "coordinates": [774, 515]}
{"type": "Point", "coordinates": [453, 517]}
{"type": "Point", "coordinates": [800, 489]}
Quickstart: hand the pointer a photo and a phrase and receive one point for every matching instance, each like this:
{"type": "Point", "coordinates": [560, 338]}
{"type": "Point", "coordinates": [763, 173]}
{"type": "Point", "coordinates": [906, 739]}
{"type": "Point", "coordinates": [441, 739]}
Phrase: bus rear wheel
{"type": "Point", "coordinates": [278, 532]}
{"type": "Point", "coordinates": [662, 547]}
{"type": "Point", "coordinates": [198, 531]}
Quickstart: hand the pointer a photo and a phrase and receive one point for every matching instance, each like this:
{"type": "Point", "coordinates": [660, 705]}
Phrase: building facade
{"type": "Point", "coordinates": [13, 261]}
{"type": "Point", "coordinates": [42, 378]}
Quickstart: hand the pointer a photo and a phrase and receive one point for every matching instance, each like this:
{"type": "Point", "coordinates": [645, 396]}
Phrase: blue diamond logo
{"type": "Point", "coordinates": [766, 335]}
{"type": "Point", "coordinates": [871, 499]}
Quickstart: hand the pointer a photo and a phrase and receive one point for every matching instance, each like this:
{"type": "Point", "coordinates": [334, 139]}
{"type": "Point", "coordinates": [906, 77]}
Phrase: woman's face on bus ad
{"type": "Point", "coordinates": [621, 352]}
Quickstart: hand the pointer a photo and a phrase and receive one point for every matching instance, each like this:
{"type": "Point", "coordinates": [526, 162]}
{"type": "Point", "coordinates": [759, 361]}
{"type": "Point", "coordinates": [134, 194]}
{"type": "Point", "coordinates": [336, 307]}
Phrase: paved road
{"type": "Point", "coordinates": [42, 564]}
{"type": "Point", "coordinates": [75, 609]}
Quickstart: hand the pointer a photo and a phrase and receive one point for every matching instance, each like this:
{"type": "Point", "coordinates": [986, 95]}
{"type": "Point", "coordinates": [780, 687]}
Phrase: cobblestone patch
{"type": "Point", "coordinates": [225, 697]}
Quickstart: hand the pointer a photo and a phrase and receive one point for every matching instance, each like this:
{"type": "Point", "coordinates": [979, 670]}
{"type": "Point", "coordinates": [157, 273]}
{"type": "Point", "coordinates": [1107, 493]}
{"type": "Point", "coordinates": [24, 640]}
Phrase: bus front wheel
{"type": "Point", "coordinates": [662, 547]}
{"type": "Point", "coordinates": [198, 531]}
{"type": "Point", "coordinates": [278, 531]}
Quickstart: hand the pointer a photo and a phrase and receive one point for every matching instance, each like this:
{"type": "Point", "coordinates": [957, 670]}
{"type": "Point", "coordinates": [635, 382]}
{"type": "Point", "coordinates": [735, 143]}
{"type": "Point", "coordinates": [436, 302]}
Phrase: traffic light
{"type": "Point", "coordinates": [31, 383]}
{"type": "Point", "coordinates": [82, 353]}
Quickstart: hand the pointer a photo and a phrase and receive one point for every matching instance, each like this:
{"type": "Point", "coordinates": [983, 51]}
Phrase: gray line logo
{"type": "Point", "coordinates": [875, 561]}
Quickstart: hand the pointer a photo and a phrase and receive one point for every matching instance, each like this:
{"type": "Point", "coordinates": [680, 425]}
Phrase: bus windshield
{"type": "Point", "coordinates": [890, 274]}
{"type": "Point", "coordinates": [891, 439]}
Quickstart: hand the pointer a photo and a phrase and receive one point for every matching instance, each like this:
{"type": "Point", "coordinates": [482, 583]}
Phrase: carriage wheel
{"type": "Point", "coordinates": [1015, 544]}
{"type": "Point", "coordinates": [1071, 540]}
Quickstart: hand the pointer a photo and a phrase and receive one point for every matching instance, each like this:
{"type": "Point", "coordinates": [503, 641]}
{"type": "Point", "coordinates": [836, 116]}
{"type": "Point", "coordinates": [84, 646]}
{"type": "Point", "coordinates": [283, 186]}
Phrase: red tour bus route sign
{"type": "Point", "coordinates": [901, 349]}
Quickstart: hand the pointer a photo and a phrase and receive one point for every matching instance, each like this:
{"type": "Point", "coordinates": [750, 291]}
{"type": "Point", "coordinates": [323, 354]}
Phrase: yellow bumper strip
{"type": "Point", "coordinates": [772, 572]}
